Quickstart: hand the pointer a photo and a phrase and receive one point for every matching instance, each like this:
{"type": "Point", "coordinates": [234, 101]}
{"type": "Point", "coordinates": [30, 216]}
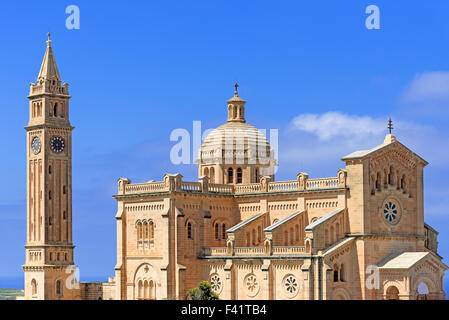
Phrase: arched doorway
{"type": "Point", "coordinates": [422, 292]}
{"type": "Point", "coordinates": [392, 293]}
{"type": "Point", "coordinates": [145, 283]}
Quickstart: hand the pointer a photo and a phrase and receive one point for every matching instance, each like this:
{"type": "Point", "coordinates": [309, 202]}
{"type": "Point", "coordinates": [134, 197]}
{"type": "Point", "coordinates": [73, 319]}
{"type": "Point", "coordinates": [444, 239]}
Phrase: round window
{"type": "Point", "coordinates": [391, 211]}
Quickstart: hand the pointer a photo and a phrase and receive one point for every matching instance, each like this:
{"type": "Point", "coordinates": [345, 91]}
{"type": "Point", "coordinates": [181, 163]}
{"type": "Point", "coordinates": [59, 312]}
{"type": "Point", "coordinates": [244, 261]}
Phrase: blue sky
{"type": "Point", "coordinates": [139, 69]}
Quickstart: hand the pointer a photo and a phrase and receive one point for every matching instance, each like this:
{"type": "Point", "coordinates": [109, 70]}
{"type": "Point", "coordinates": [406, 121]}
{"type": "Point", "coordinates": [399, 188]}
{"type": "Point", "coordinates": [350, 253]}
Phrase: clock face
{"type": "Point", "coordinates": [36, 145]}
{"type": "Point", "coordinates": [57, 144]}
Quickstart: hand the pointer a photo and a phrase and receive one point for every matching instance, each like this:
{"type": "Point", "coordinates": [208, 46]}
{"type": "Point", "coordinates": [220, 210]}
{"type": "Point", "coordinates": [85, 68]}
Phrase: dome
{"type": "Point", "coordinates": [235, 141]}
{"type": "Point", "coordinates": [236, 152]}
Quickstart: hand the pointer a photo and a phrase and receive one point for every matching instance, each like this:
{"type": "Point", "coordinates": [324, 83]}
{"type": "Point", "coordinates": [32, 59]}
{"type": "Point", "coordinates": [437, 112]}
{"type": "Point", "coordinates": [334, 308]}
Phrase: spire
{"type": "Point", "coordinates": [49, 70]}
{"type": "Point", "coordinates": [236, 92]}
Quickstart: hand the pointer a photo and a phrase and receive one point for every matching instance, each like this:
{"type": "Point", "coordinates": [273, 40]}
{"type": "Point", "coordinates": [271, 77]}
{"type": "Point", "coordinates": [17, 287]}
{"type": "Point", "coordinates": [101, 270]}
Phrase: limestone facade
{"type": "Point", "coordinates": [358, 235]}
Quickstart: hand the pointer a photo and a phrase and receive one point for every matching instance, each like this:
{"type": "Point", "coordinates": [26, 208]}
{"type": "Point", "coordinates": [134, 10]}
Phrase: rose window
{"type": "Point", "coordinates": [215, 283]}
{"type": "Point", "coordinates": [252, 285]}
{"type": "Point", "coordinates": [391, 212]}
{"type": "Point", "coordinates": [291, 285]}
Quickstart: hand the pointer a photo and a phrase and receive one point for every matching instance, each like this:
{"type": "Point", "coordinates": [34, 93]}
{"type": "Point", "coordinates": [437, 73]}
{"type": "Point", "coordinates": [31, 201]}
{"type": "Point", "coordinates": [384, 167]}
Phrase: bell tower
{"type": "Point", "coordinates": [49, 267]}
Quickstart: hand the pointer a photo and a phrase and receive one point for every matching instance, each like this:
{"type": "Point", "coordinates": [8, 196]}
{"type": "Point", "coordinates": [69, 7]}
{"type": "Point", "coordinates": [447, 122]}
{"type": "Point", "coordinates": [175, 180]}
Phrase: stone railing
{"type": "Point", "coordinates": [190, 186]}
{"type": "Point", "coordinates": [253, 251]}
{"type": "Point", "coordinates": [282, 186]}
{"type": "Point", "coordinates": [288, 250]}
{"type": "Point", "coordinates": [148, 187]}
{"type": "Point", "coordinates": [175, 183]}
{"type": "Point", "coordinates": [249, 251]}
{"type": "Point", "coordinates": [221, 188]}
{"type": "Point", "coordinates": [35, 89]}
{"type": "Point", "coordinates": [322, 183]}
{"type": "Point", "coordinates": [218, 251]}
{"type": "Point", "coordinates": [248, 188]}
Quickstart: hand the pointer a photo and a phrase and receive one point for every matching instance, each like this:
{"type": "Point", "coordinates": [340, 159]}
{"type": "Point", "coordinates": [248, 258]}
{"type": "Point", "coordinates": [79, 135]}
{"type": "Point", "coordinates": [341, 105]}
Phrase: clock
{"type": "Point", "coordinates": [57, 144]}
{"type": "Point", "coordinates": [36, 145]}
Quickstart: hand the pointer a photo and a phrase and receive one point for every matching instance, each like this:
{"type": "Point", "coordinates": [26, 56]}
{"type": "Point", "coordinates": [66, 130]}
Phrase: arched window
{"type": "Point", "coordinates": [392, 293]}
{"type": "Point", "coordinates": [55, 110]}
{"type": "Point", "coordinates": [49, 169]}
{"type": "Point", "coordinates": [145, 290]}
{"type": "Point", "coordinates": [139, 231]}
{"type": "Point", "coordinates": [58, 288]}
{"type": "Point", "coordinates": [297, 232]}
{"type": "Point", "coordinates": [254, 236]}
{"type": "Point", "coordinates": [239, 175]}
{"type": "Point", "coordinates": [256, 178]}
{"type": "Point", "coordinates": [390, 176]}
{"type": "Point", "coordinates": [151, 229]}
{"type": "Point", "coordinates": [63, 190]}
{"type": "Point", "coordinates": [145, 230]}
{"type": "Point", "coordinates": [33, 287]}
{"type": "Point", "coordinates": [140, 290]}
{"type": "Point", "coordinates": [49, 195]}
{"type": "Point", "coordinates": [291, 236]}
{"type": "Point", "coordinates": [342, 273]}
{"type": "Point", "coordinates": [259, 234]}
{"type": "Point", "coordinates": [335, 274]}
{"type": "Point", "coordinates": [223, 231]}
{"type": "Point", "coordinates": [230, 175]}
{"type": "Point", "coordinates": [217, 231]}
{"type": "Point", "coordinates": [206, 172]}
{"type": "Point", "coordinates": [212, 175]}
{"type": "Point", "coordinates": [378, 181]}
{"type": "Point", "coordinates": [189, 231]}
{"type": "Point", "coordinates": [152, 288]}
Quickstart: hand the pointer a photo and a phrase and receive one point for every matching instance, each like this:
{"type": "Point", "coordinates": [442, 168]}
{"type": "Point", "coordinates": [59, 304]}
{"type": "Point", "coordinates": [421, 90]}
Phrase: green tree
{"type": "Point", "coordinates": [203, 292]}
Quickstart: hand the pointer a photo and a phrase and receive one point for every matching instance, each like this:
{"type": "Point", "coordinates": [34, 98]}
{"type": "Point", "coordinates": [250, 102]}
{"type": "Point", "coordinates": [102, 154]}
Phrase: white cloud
{"type": "Point", "coordinates": [428, 86]}
{"type": "Point", "coordinates": [335, 124]}
{"type": "Point", "coordinates": [316, 142]}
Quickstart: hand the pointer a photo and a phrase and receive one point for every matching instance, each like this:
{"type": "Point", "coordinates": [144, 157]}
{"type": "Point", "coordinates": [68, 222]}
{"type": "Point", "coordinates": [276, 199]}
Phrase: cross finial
{"type": "Point", "coordinates": [48, 41]}
{"type": "Point", "coordinates": [390, 125]}
{"type": "Point", "coordinates": [236, 93]}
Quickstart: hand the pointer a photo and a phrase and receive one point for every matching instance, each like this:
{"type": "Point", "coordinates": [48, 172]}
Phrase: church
{"type": "Point", "coordinates": [359, 235]}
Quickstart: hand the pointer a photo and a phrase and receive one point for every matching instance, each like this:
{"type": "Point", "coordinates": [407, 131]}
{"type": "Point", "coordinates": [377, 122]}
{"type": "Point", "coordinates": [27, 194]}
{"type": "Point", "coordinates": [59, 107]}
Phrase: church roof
{"type": "Point", "coordinates": [405, 260]}
{"type": "Point", "coordinates": [282, 221]}
{"type": "Point", "coordinates": [324, 218]}
{"type": "Point", "coordinates": [49, 70]}
{"type": "Point", "coordinates": [389, 139]}
{"type": "Point", "coordinates": [244, 223]}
